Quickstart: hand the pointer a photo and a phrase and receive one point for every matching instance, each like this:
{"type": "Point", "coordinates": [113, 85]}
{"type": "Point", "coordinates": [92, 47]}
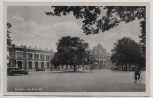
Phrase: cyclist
{"type": "Point", "coordinates": [137, 74]}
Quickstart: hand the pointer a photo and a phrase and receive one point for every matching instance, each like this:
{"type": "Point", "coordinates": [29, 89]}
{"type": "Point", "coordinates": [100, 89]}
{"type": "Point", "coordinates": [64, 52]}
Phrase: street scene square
{"type": "Point", "coordinates": [83, 48]}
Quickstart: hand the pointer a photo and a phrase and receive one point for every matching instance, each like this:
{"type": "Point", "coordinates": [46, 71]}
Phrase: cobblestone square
{"type": "Point", "coordinates": [84, 81]}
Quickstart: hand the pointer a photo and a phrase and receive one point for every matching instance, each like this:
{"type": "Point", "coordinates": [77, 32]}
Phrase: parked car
{"type": "Point", "coordinates": [14, 70]}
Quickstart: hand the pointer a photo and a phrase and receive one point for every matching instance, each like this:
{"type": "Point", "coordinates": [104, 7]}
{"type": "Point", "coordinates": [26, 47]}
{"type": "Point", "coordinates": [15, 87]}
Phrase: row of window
{"type": "Point", "coordinates": [30, 56]}
{"type": "Point", "coordinates": [37, 64]}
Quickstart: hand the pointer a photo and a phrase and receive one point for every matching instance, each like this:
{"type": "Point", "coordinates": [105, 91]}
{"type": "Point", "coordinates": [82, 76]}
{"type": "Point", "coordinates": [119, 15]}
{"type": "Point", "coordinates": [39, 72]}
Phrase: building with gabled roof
{"type": "Point", "coordinates": [102, 57]}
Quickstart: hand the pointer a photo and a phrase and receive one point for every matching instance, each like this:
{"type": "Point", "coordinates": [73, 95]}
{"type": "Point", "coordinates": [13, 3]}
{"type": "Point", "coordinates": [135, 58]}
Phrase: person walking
{"type": "Point", "coordinates": [137, 74]}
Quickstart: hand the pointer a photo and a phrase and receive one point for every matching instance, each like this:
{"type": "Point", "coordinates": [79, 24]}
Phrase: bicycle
{"type": "Point", "coordinates": [137, 79]}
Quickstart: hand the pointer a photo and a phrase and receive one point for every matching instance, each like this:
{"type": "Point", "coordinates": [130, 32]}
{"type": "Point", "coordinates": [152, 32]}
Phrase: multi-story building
{"type": "Point", "coordinates": [102, 57]}
{"type": "Point", "coordinates": [30, 58]}
{"type": "Point", "coordinates": [33, 58]}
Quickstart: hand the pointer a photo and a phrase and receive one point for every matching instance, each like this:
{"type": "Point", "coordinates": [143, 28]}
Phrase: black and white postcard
{"type": "Point", "coordinates": [76, 48]}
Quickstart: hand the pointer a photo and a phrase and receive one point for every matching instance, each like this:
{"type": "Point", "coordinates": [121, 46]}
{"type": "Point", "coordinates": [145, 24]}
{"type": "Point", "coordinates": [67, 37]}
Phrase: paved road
{"type": "Point", "coordinates": [96, 81]}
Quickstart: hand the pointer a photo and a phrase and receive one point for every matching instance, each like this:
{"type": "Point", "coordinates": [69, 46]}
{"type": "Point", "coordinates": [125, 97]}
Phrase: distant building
{"type": "Point", "coordinates": [102, 57]}
{"type": "Point", "coordinates": [29, 58]}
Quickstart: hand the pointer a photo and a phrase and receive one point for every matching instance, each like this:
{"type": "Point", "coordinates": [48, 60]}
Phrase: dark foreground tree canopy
{"type": "Point", "coordinates": [128, 52]}
{"type": "Point", "coordinates": [72, 51]}
{"type": "Point", "coordinates": [93, 23]}
{"type": "Point", "coordinates": [8, 35]}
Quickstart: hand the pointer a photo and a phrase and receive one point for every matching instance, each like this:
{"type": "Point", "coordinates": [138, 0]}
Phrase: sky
{"type": "Point", "coordinates": [32, 27]}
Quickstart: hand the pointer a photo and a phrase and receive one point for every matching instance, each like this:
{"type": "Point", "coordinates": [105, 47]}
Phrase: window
{"type": "Point", "coordinates": [42, 56]}
{"type": "Point", "coordinates": [30, 65]}
{"type": "Point", "coordinates": [29, 56]}
{"type": "Point", "coordinates": [36, 65]}
{"type": "Point", "coordinates": [47, 57]}
{"type": "Point", "coordinates": [19, 55]}
{"type": "Point", "coordinates": [42, 65]}
{"type": "Point", "coordinates": [36, 56]}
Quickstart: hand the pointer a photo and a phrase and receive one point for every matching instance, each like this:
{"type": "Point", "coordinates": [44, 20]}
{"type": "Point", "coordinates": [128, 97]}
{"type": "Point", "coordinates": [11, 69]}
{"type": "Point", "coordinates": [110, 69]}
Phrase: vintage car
{"type": "Point", "coordinates": [14, 70]}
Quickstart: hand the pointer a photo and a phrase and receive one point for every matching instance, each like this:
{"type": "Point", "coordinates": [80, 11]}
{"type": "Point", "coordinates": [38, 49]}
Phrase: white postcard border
{"type": "Point", "coordinates": [79, 93]}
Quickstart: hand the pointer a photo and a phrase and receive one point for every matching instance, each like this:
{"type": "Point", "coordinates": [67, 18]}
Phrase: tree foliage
{"type": "Point", "coordinates": [93, 22]}
{"type": "Point", "coordinates": [143, 35]}
{"type": "Point", "coordinates": [128, 52]}
{"type": "Point", "coordinates": [8, 35]}
{"type": "Point", "coordinates": [72, 51]}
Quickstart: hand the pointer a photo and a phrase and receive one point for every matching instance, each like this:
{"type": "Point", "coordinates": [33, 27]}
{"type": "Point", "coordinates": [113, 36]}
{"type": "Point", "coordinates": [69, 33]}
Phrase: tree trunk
{"type": "Point", "coordinates": [126, 67]}
{"type": "Point", "coordinates": [83, 67]}
{"type": "Point", "coordinates": [74, 68]}
{"type": "Point", "coordinates": [90, 67]}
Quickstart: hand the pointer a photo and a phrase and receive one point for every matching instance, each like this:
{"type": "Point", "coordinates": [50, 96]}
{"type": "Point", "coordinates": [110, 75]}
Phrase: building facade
{"type": "Point", "coordinates": [30, 58]}
{"type": "Point", "coordinates": [33, 58]}
{"type": "Point", "coordinates": [102, 57]}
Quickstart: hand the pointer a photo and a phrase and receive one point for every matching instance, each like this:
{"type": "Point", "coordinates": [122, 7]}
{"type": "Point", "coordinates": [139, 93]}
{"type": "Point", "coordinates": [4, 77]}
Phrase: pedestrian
{"type": "Point", "coordinates": [137, 73]}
